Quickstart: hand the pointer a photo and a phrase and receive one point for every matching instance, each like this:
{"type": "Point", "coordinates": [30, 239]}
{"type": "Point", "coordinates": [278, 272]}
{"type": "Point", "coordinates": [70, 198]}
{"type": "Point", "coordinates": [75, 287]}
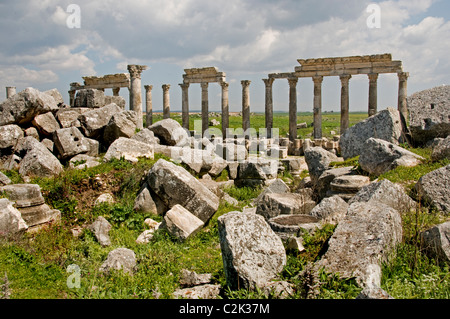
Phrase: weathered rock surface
{"type": "Point", "coordinates": [385, 125]}
{"type": "Point", "coordinates": [275, 204]}
{"type": "Point", "coordinates": [207, 291]}
{"type": "Point", "coordinates": [122, 124]}
{"type": "Point", "coordinates": [70, 142]}
{"type": "Point", "coordinates": [106, 198]}
{"type": "Point", "coordinates": [93, 122]}
{"type": "Point", "coordinates": [22, 107]}
{"type": "Point", "coordinates": [146, 136]}
{"type": "Point", "coordinates": [191, 278]}
{"type": "Point", "coordinates": [318, 161]}
{"type": "Point", "coordinates": [54, 93]}
{"type": "Point", "coordinates": [385, 192]}
{"type": "Point", "coordinates": [91, 98]}
{"type": "Point", "coordinates": [436, 241]}
{"type": "Point", "coordinates": [362, 240]}
{"type": "Point", "coordinates": [170, 133]}
{"type": "Point", "coordinates": [120, 258]}
{"type": "Point", "coordinates": [101, 227]}
{"type": "Point", "coordinates": [429, 112]}
{"type": "Point", "coordinates": [46, 123]}
{"type": "Point", "coordinates": [181, 223]}
{"type": "Point", "coordinates": [379, 156]}
{"type": "Point", "coordinates": [441, 149]}
{"type": "Point", "coordinates": [144, 202]}
{"type": "Point", "coordinates": [11, 221]}
{"type": "Point", "coordinates": [130, 150]}
{"type": "Point", "coordinates": [277, 186]}
{"type": "Point", "coordinates": [373, 292]}
{"type": "Point", "coordinates": [252, 253]}
{"type": "Point", "coordinates": [9, 135]}
{"type": "Point", "coordinates": [82, 161]}
{"type": "Point", "coordinates": [331, 210]}
{"type": "Point", "coordinates": [68, 117]}
{"type": "Point", "coordinates": [4, 180]}
{"type": "Point", "coordinates": [347, 186]}
{"type": "Point", "coordinates": [293, 225]}
{"type": "Point", "coordinates": [256, 171]}
{"type": "Point", "coordinates": [38, 161]}
{"type": "Point", "coordinates": [434, 189]}
{"type": "Point", "coordinates": [175, 185]}
{"type": "Point", "coordinates": [322, 184]}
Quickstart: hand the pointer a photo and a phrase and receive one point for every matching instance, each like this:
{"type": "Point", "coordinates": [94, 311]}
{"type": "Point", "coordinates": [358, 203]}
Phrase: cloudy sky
{"type": "Point", "coordinates": [247, 39]}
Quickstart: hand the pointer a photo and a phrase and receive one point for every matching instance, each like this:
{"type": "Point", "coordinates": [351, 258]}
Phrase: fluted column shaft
{"type": "Point", "coordinates": [293, 108]}
{"type": "Point", "coordinates": [345, 78]}
{"type": "Point", "coordinates": [148, 105]}
{"type": "Point", "coordinates": [166, 101]}
{"type": "Point", "coordinates": [269, 106]}
{"type": "Point", "coordinates": [317, 108]}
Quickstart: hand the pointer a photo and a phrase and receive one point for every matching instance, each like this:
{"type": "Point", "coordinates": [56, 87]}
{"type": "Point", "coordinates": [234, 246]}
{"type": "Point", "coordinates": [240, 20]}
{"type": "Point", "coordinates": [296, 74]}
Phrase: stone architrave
{"type": "Point", "coordinates": [148, 105]}
{"type": "Point", "coordinates": [345, 78]}
{"type": "Point", "coordinates": [184, 105]}
{"type": "Point", "coordinates": [135, 91]}
{"type": "Point", "coordinates": [292, 109]}
{"type": "Point", "coordinates": [269, 106]}
{"type": "Point", "coordinates": [245, 106]}
{"type": "Point", "coordinates": [317, 106]}
{"type": "Point", "coordinates": [166, 101]}
{"type": "Point", "coordinates": [373, 87]}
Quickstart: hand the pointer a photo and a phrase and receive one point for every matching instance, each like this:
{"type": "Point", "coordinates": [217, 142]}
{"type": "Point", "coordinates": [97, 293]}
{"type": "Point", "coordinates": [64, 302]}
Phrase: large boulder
{"type": "Point", "coordinates": [252, 253]}
{"type": "Point", "coordinates": [318, 161]}
{"type": "Point", "coordinates": [429, 114]}
{"type": "Point", "coordinates": [379, 156]}
{"type": "Point", "coordinates": [38, 161]}
{"type": "Point", "coordinates": [93, 122]}
{"type": "Point", "coordinates": [70, 142]}
{"type": "Point", "coordinates": [441, 149]}
{"type": "Point", "coordinates": [387, 193]}
{"type": "Point", "coordinates": [256, 171]}
{"type": "Point", "coordinates": [46, 123]}
{"type": "Point", "coordinates": [22, 107]}
{"type": "Point", "coordinates": [434, 189]}
{"type": "Point", "coordinates": [385, 125]}
{"type": "Point", "coordinates": [130, 150]}
{"type": "Point", "coordinates": [175, 185]}
{"type": "Point", "coordinates": [122, 124]}
{"type": "Point", "coordinates": [91, 98]}
{"type": "Point", "coordinates": [181, 223]}
{"type": "Point", "coordinates": [11, 221]}
{"type": "Point", "coordinates": [362, 240]}
{"type": "Point", "coordinates": [56, 95]}
{"type": "Point", "coordinates": [9, 135]}
{"type": "Point", "coordinates": [146, 136]}
{"type": "Point", "coordinates": [436, 241]}
{"type": "Point", "coordinates": [170, 133]}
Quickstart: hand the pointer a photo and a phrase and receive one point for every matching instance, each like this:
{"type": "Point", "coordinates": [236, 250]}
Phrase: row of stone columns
{"type": "Point", "coordinates": [317, 104]}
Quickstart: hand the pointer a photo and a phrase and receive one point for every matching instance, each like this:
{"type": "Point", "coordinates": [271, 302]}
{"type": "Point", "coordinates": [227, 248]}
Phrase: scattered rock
{"type": "Point", "coordinates": [54, 93]}
{"type": "Point", "coordinates": [10, 135]}
{"type": "Point", "coordinates": [207, 291]}
{"type": "Point", "coordinates": [38, 161]}
{"type": "Point", "coordinates": [441, 149]}
{"type": "Point", "coordinates": [181, 223]}
{"type": "Point", "coordinates": [252, 253]}
{"type": "Point", "coordinates": [434, 189]}
{"type": "Point", "coordinates": [361, 241]}
{"type": "Point", "coordinates": [144, 202]}
{"type": "Point", "coordinates": [11, 221]}
{"type": "Point", "coordinates": [68, 117]}
{"type": "Point", "coordinates": [436, 241]}
{"type": "Point", "coordinates": [170, 133]}
{"type": "Point", "coordinates": [120, 258]}
{"type": "Point", "coordinates": [104, 198]}
{"type": "Point", "coordinates": [275, 204]}
{"type": "Point", "coordinates": [82, 161]}
{"type": "Point", "coordinates": [33, 132]}
{"type": "Point", "coordinates": [331, 210]}
{"type": "Point", "coordinates": [175, 185]}
{"type": "Point", "coordinates": [191, 278]}
{"type": "Point", "coordinates": [429, 113]}
{"type": "Point", "coordinates": [373, 292]}
{"type": "Point", "coordinates": [93, 122]}
{"type": "Point", "coordinates": [256, 171]}
{"type": "Point", "coordinates": [4, 180]}
{"type": "Point", "coordinates": [385, 125]}
{"type": "Point", "coordinates": [46, 123]}
{"type": "Point", "coordinates": [70, 142]}
{"type": "Point", "coordinates": [101, 228]}
{"type": "Point", "coordinates": [293, 225]}
{"type": "Point", "coordinates": [130, 150]}
{"type": "Point", "coordinates": [122, 124]}
{"type": "Point", "coordinates": [347, 186]}
{"type": "Point", "coordinates": [278, 289]}
{"type": "Point", "coordinates": [318, 161]}
{"type": "Point", "coordinates": [379, 156]}
{"type": "Point", "coordinates": [145, 237]}
{"type": "Point", "coordinates": [277, 186]}
{"type": "Point", "coordinates": [91, 98]}
{"type": "Point", "coordinates": [146, 136]}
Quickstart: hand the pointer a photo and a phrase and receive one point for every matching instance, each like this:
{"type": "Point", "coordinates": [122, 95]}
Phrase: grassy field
{"type": "Point", "coordinates": [35, 266]}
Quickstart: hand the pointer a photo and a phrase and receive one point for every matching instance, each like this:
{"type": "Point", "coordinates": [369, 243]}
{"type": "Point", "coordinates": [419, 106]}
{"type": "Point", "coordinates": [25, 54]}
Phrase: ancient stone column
{"type": "Point", "coordinates": [373, 77]}
{"type": "Point", "coordinates": [72, 97]}
{"type": "Point", "coordinates": [10, 91]}
{"type": "Point", "coordinates": [116, 91]}
{"type": "Point", "coordinates": [205, 115]}
{"type": "Point", "coordinates": [185, 105]}
{"type": "Point", "coordinates": [135, 91]}
{"type": "Point", "coordinates": [269, 106]}
{"type": "Point", "coordinates": [317, 108]}
{"type": "Point", "coordinates": [148, 105]}
{"type": "Point", "coordinates": [402, 93]}
{"type": "Point", "coordinates": [245, 106]}
{"type": "Point", "coordinates": [225, 109]}
{"type": "Point", "coordinates": [166, 101]}
{"type": "Point", "coordinates": [345, 78]}
{"type": "Point", "coordinates": [292, 108]}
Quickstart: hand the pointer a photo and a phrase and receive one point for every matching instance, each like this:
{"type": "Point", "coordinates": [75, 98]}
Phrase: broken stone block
{"type": "Point", "coordinates": [249, 260]}
{"type": "Point", "coordinates": [191, 278]}
{"type": "Point", "coordinates": [207, 291]}
{"type": "Point", "coordinates": [4, 180]}
{"type": "Point", "coordinates": [33, 132]}
{"type": "Point", "coordinates": [170, 133]}
{"type": "Point", "coordinates": [70, 142]}
{"type": "Point", "coordinates": [9, 135]}
{"type": "Point", "coordinates": [11, 221]}
{"type": "Point", "coordinates": [385, 125]}
{"type": "Point", "coordinates": [441, 149]}
{"type": "Point", "coordinates": [275, 204]}
{"type": "Point", "coordinates": [101, 228]}
{"type": "Point", "coordinates": [293, 225]}
{"type": "Point", "coordinates": [181, 223]}
{"type": "Point", "coordinates": [175, 185]}
{"type": "Point", "coordinates": [104, 198]}
{"type": "Point", "coordinates": [48, 144]}
{"type": "Point", "coordinates": [68, 117]}
{"type": "Point", "coordinates": [54, 93]}
{"type": "Point", "coordinates": [331, 210]}
{"type": "Point", "coordinates": [93, 122]}
{"type": "Point", "coordinates": [122, 124]}
{"type": "Point", "coordinates": [46, 123]}
{"type": "Point", "coordinates": [144, 202]}
{"type": "Point", "coordinates": [436, 241]}
{"type": "Point", "coordinates": [38, 161]}
{"type": "Point", "coordinates": [379, 156]}
{"type": "Point", "coordinates": [318, 161]}
{"type": "Point", "coordinates": [82, 161]}
{"type": "Point", "coordinates": [434, 189]}
{"type": "Point", "coordinates": [90, 98]}
{"type": "Point", "coordinates": [120, 259]}
{"type": "Point", "coordinates": [130, 150]}
{"type": "Point", "coordinates": [146, 136]}
{"type": "Point", "coordinates": [347, 186]}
